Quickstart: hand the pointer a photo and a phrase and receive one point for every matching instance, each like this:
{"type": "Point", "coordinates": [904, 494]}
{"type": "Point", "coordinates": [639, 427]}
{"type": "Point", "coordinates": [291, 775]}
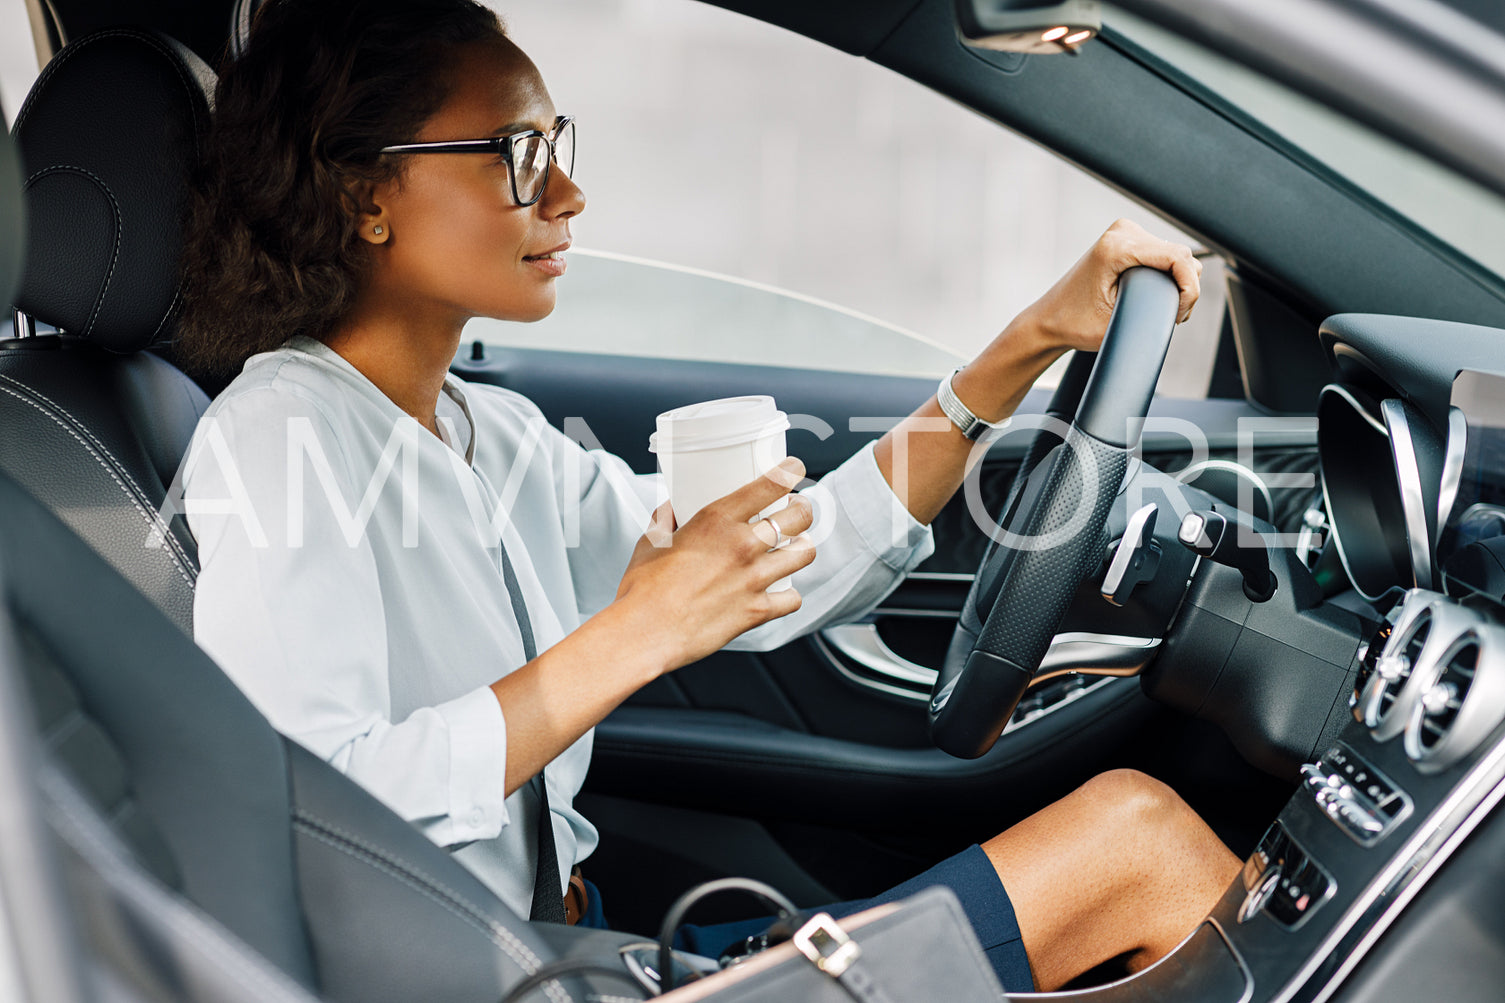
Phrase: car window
{"type": "Point", "coordinates": [830, 214]}
{"type": "Point", "coordinates": [1453, 208]}
{"type": "Point", "coordinates": [18, 57]}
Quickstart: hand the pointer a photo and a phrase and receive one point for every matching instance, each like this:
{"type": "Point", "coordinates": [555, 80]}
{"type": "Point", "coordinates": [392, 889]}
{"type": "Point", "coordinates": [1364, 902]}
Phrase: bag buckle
{"type": "Point", "coordinates": [827, 945]}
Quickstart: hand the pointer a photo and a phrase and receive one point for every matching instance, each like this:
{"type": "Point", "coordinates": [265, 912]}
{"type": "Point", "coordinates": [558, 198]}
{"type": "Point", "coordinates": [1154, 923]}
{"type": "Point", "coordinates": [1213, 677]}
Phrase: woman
{"type": "Point", "coordinates": [444, 638]}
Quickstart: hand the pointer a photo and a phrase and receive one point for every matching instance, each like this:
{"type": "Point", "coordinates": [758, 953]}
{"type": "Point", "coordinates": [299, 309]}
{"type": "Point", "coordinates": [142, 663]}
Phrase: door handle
{"type": "Point", "coordinates": [860, 643]}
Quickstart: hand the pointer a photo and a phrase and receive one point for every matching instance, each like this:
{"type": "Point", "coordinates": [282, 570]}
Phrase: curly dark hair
{"type": "Point", "coordinates": [271, 249]}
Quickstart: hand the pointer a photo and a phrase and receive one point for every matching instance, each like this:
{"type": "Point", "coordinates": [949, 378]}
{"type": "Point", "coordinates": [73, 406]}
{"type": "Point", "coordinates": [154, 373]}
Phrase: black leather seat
{"type": "Point", "coordinates": [95, 425]}
{"type": "Point", "coordinates": [288, 854]}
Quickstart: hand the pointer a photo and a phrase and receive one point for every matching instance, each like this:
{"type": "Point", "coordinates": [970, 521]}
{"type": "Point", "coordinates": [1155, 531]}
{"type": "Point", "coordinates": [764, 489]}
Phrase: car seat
{"type": "Point", "coordinates": [96, 424]}
{"type": "Point", "coordinates": [284, 851]}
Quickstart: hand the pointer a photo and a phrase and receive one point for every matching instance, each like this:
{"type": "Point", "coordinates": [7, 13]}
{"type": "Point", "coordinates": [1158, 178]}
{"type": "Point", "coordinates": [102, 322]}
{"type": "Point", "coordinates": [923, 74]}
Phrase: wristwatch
{"type": "Point", "coordinates": [961, 416]}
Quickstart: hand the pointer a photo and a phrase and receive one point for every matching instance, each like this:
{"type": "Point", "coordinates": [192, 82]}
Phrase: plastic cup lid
{"type": "Point", "coordinates": [729, 421]}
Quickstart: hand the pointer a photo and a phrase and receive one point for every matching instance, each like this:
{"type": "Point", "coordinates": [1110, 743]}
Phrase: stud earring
{"type": "Point", "coordinates": [377, 229]}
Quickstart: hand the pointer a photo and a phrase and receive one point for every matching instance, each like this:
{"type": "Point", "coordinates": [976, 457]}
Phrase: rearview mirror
{"type": "Point", "coordinates": [1042, 27]}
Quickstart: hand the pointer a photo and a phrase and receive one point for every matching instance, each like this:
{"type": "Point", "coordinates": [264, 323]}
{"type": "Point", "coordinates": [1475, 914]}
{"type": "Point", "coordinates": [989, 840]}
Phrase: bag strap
{"type": "Point", "coordinates": [829, 949]}
{"type": "Point", "coordinates": [788, 913]}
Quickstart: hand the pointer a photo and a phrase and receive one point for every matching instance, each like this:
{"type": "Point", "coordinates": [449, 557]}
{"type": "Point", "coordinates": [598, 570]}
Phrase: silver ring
{"type": "Point", "coordinates": [778, 534]}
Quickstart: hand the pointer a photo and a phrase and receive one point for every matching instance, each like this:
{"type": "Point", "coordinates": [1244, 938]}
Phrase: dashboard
{"type": "Point", "coordinates": [1412, 504]}
{"type": "Point", "coordinates": [1410, 762]}
{"type": "Point", "coordinates": [1411, 437]}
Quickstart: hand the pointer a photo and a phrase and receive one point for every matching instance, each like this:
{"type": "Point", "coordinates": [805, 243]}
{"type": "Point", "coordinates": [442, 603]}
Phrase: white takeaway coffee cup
{"type": "Point", "coordinates": [708, 450]}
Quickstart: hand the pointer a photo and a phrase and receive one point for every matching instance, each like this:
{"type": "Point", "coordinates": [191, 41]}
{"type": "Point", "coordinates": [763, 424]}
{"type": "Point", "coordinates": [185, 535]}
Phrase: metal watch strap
{"type": "Point", "coordinates": [828, 948]}
{"type": "Point", "coordinates": [961, 416]}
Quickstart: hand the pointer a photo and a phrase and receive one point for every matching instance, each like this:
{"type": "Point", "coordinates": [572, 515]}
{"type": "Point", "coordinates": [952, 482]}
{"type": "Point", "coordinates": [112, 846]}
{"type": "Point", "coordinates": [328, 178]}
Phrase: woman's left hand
{"type": "Point", "coordinates": [1074, 312]}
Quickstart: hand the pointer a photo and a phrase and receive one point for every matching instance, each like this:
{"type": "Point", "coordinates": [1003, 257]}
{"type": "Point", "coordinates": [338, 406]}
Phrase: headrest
{"type": "Point", "coordinates": [108, 137]}
{"type": "Point", "coordinates": [12, 220]}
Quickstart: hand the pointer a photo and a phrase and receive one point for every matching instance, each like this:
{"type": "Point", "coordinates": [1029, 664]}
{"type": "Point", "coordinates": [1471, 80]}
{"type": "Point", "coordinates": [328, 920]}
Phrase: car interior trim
{"type": "Point", "coordinates": [1083, 652]}
{"type": "Point", "coordinates": [1369, 709]}
{"type": "Point", "coordinates": [1433, 843]}
{"type": "Point", "coordinates": [1093, 654]}
{"type": "Point", "coordinates": [1238, 959]}
{"type": "Point", "coordinates": [1265, 882]}
{"type": "Point", "coordinates": [1452, 465]}
{"type": "Point", "coordinates": [1412, 495]}
{"type": "Point", "coordinates": [1320, 775]}
{"type": "Point", "coordinates": [937, 614]}
{"type": "Point", "coordinates": [943, 576]}
{"type": "Point", "coordinates": [1195, 470]}
{"type": "Point", "coordinates": [1146, 973]}
{"type": "Point", "coordinates": [861, 643]}
{"type": "Point", "coordinates": [1360, 407]}
{"type": "Point", "coordinates": [1478, 712]}
{"type": "Point", "coordinates": [1427, 848]}
{"type": "Point", "coordinates": [1444, 622]}
{"type": "Point", "coordinates": [1080, 653]}
{"type": "Point", "coordinates": [1346, 556]}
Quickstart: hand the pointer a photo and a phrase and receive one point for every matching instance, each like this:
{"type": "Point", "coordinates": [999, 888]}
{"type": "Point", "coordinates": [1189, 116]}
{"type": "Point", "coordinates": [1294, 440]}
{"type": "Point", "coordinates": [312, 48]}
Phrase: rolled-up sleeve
{"type": "Point", "coordinates": [301, 630]}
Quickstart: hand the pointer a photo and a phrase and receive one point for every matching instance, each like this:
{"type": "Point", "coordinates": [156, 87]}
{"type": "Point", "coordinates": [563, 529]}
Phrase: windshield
{"type": "Point", "coordinates": [1454, 209]}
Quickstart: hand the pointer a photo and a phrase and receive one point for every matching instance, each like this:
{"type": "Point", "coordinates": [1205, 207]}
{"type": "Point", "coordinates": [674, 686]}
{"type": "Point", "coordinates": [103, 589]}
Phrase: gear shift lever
{"type": "Point", "coordinates": [1211, 535]}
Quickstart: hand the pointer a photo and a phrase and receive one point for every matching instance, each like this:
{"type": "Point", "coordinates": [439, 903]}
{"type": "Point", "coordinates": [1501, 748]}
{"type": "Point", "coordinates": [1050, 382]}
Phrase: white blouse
{"type": "Point", "coordinates": [351, 582]}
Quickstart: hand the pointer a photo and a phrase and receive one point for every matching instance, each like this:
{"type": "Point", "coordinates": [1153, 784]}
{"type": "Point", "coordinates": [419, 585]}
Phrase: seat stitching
{"type": "Point", "coordinates": [104, 289]}
{"type": "Point", "coordinates": [74, 49]}
{"type": "Point", "coordinates": [177, 294]}
{"type": "Point", "coordinates": [153, 518]}
{"type": "Point", "coordinates": [141, 493]}
{"type": "Point", "coordinates": [436, 891]}
{"type": "Point", "coordinates": [194, 92]}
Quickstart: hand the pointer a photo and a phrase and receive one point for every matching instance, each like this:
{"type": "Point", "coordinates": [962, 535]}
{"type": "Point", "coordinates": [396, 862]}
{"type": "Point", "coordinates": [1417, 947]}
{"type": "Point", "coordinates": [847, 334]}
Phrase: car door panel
{"type": "Point", "coordinates": [729, 762]}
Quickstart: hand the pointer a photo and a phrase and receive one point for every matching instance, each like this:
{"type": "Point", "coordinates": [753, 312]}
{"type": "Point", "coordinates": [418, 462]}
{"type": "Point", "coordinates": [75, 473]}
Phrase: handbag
{"type": "Point", "coordinates": [915, 950]}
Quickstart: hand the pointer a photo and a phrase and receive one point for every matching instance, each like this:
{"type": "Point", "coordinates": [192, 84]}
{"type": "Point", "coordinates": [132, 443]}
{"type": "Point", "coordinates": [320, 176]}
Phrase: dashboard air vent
{"type": "Point", "coordinates": [1461, 701]}
{"type": "Point", "coordinates": [1369, 656]}
{"type": "Point", "coordinates": [1392, 673]}
{"type": "Point", "coordinates": [1438, 709]}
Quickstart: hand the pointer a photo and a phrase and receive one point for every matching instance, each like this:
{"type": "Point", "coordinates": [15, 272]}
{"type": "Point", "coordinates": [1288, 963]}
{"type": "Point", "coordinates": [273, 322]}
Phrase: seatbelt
{"type": "Point", "coordinates": [548, 897]}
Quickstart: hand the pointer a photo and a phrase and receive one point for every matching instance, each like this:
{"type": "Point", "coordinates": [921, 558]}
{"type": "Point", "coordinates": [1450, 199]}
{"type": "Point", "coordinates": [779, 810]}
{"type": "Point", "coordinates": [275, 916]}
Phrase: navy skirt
{"type": "Point", "coordinates": [969, 874]}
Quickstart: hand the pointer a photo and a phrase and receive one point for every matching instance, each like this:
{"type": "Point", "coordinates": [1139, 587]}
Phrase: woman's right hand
{"type": "Point", "coordinates": [695, 588]}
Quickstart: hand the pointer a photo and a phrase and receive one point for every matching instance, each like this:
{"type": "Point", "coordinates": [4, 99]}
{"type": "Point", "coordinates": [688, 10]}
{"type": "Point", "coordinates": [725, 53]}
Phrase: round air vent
{"type": "Point", "coordinates": [1404, 666]}
{"type": "Point", "coordinates": [1369, 656]}
{"type": "Point", "coordinates": [1459, 702]}
{"type": "Point", "coordinates": [1364, 702]}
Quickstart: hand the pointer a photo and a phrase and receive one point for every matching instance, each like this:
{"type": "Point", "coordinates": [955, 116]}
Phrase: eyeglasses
{"type": "Point", "coordinates": [528, 155]}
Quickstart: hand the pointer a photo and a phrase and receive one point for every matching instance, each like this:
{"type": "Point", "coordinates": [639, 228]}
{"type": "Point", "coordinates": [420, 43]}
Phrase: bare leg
{"type": "Point", "coordinates": [1119, 866]}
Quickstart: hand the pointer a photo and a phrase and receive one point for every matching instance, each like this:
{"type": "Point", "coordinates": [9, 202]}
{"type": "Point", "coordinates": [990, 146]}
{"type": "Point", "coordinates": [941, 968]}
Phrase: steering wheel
{"type": "Point", "coordinates": [1053, 535]}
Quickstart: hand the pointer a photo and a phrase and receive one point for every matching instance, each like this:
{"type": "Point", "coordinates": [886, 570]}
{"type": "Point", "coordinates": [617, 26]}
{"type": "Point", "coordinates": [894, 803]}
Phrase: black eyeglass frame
{"type": "Point", "coordinates": [502, 146]}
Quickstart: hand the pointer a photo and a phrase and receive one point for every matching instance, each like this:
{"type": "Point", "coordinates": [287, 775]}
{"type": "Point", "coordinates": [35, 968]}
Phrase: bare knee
{"type": "Point", "coordinates": [1149, 824]}
{"type": "Point", "coordinates": [1130, 801]}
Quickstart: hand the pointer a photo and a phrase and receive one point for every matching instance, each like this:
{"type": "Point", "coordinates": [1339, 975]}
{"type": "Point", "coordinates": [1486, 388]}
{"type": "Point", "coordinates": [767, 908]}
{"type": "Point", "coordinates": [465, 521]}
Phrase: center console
{"type": "Point", "coordinates": [1420, 764]}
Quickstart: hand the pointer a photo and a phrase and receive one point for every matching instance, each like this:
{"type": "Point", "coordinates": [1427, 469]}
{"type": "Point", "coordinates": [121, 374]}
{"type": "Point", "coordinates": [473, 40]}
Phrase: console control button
{"type": "Point", "coordinates": [1362, 801]}
{"type": "Point", "coordinates": [1283, 882]}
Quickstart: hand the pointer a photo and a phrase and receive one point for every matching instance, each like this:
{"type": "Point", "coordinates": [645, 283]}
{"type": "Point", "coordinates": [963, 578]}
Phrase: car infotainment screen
{"type": "Point", "coordinates": [1478, 510]}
